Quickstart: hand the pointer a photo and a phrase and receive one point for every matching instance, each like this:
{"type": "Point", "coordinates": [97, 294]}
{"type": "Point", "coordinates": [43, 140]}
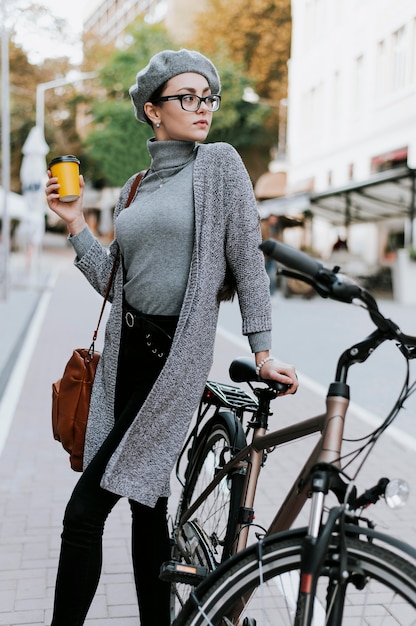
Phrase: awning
{"type": "Point", "coordinates": [383, 196]}
{"type": "Point", "coordinates": [386, 195]}
{"type": "Point", "coordinates": [270, 185]}
{"type": "Point", "coordinates": [290, 206]}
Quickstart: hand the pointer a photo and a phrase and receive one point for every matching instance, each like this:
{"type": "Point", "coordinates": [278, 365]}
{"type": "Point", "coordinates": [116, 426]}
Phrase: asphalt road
{"type": "Point", "coordinates": [313, 333]}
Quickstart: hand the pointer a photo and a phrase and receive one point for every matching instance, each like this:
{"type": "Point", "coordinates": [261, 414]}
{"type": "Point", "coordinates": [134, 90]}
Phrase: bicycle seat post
{"type": "Point", "coordinates": [261, 416]}
{"type": "Point", "coordinates": [259, 424]}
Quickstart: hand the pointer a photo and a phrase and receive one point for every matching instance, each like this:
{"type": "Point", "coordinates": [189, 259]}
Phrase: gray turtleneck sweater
{"type": "Point", "coordinates": [156, 232]}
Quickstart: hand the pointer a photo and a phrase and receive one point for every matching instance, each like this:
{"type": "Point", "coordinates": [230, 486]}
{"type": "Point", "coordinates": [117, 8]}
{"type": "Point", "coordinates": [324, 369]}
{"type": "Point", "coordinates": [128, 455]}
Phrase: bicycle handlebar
{"type": "Point", "coordinates": [331, 284]}
{"type": "Point", "coordinates": [328, 283]}
{"type": "Point", "coordinates": [292, 258]}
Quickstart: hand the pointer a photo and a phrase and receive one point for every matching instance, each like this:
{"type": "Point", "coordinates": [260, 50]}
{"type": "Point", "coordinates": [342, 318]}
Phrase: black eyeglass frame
{"type": "Point", "coordinates": [212, 97]}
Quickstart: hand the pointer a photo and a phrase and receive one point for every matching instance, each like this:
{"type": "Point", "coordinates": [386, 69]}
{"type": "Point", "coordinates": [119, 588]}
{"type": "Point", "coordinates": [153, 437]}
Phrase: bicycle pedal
{"type": "Point", "coordinates": [175, 572]}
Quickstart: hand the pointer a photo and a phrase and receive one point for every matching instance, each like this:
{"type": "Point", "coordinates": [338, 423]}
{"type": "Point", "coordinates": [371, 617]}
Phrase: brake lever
{"type": "Point", "coordinates": [408, 351]}
{"type": "Point", "coordinates": [323, 292]}
{"type": "Point", "coordinates": [329, 284]}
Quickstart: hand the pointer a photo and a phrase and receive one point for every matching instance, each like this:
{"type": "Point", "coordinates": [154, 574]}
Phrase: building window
{"type": "Point", "coordinates": [413, 53]}
{"type": "Point", "coordinates": [399, 59]}
{"type": "Point", "coordinates": [329, 178]}
{"type": "Point", "coordinates": [314, 20]}
{"type": "Point", "coordinates": [312, 106]}
{"type": "Point", "coordinates": [381, 69]}
{"type": "Point", "coordinates": [336, 98]}
{"type": "Point", "coordinates": [359, 83]}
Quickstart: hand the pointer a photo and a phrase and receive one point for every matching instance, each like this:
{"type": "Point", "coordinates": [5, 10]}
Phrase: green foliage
{"type": "Point", "coordinates": [116, 148]}
{"type": "Point", "coordinates": [255, 35]}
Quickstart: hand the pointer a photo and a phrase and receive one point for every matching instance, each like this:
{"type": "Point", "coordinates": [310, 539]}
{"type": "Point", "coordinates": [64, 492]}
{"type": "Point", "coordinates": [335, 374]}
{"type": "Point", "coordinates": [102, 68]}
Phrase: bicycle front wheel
{"type": "Point", "coordinates": [377, 588]}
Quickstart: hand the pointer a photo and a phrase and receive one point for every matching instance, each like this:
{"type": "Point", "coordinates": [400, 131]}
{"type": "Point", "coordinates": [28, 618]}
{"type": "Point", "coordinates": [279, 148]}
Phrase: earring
{"type": "Point", "coordinates": [157, 124]}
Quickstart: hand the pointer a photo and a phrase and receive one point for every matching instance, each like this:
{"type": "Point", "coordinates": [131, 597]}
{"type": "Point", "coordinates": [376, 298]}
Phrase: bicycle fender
{"type": "Point", "coordinates": [233, 425]}
{"type": "Point", "coordinates": [372, 534]}
{"type": "Point", "coordinates": [353, 529]}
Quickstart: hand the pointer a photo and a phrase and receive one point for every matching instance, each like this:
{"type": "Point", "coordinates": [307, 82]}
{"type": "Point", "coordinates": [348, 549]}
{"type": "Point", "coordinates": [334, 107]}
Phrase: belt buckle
{"type": "Point", "coordinates": [129, 317]}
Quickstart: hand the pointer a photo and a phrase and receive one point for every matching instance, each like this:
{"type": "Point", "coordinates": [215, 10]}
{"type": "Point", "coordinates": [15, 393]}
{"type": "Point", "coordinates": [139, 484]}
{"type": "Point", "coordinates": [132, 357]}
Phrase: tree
{"type": "Point", "coordinates": [22, 107]}
{"type": "Point", "coordinates": [59, 123]}
{"type": "Point", "coordinates": [255, 35]}
{"type": "Point", "coordinates": [238, 122]}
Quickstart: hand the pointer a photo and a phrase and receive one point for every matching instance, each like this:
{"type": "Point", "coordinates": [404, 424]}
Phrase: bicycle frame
{"type": "Point", "coordinates": [327, 450]}
{"type": "Point", "coordinates": [330, 424]}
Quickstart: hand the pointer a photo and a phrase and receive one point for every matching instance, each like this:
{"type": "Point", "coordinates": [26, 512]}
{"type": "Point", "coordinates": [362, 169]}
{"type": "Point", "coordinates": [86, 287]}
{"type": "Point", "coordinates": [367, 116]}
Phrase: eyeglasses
{"type": "Point", "coordinates": [191, 102]}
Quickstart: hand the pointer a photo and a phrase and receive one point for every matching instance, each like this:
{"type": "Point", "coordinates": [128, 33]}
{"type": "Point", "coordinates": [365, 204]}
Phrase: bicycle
{"type": "Point", "coordinates": [338, 570]}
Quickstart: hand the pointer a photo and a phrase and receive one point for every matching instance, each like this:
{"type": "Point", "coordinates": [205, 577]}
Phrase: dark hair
{"type": "Point", "coordinates": [229, 287]}
{"type": "Point", "coordinates": [154, 98]}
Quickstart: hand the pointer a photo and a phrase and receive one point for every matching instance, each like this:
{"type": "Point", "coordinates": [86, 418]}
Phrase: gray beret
{"type": "Point", "coordinates": [165, 65]}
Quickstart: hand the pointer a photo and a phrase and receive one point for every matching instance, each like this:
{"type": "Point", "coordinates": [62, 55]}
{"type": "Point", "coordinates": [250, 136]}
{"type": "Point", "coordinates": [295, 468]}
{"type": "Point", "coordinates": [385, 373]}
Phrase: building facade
{"type": "Point", "coordinates": [109, 19]}
{"type": "Point", "coordinates": [351, 132]}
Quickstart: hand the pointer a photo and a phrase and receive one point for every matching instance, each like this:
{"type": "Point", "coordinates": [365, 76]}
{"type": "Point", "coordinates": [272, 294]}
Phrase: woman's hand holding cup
{"type": "Point", "coordinates": [64, 192]}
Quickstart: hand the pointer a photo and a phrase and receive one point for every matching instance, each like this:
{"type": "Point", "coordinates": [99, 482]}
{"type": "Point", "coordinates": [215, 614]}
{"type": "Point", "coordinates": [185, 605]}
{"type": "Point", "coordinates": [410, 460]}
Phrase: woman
{"type": "Point", "coordinates": [194, 217]}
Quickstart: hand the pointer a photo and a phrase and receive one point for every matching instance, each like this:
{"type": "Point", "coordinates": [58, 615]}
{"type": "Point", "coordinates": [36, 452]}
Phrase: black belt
{"type": "Point", "coordinates": [157, 340]}
{"type": "Point", "coordinates": [142, 322]}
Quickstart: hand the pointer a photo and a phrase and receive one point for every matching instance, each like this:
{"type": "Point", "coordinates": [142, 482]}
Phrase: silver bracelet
{"type": "Point", "coordinates": [260, 365]}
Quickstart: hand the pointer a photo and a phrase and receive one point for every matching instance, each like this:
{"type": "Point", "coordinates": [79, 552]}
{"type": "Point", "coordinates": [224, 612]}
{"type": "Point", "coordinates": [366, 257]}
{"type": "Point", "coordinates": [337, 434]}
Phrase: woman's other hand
{"type": "Point", "coordinates": [274, 369]}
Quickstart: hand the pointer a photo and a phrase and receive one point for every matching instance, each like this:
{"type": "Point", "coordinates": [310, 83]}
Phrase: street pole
{"type": "Point", "coordinates": [52, 84]}
{"type": "Point", "coordinates": [5, 147]}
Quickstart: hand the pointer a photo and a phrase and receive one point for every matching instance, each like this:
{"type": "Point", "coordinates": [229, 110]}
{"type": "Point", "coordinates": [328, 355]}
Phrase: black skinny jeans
{"type": "Point", "coordinates": [89, 506]}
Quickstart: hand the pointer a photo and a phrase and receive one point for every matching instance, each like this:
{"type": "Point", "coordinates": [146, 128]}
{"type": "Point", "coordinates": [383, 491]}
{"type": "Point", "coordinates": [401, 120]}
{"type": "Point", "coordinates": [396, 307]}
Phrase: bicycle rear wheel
{"type": "Point", "coordinates": [206, 540]}
{"type": "Point", "coordinates": [379, 587]}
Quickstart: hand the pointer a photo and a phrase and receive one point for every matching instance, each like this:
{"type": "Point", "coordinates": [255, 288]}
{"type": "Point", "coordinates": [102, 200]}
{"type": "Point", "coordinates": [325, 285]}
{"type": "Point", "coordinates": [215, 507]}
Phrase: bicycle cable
{"type": "Point", "coordinates": [372, 438]}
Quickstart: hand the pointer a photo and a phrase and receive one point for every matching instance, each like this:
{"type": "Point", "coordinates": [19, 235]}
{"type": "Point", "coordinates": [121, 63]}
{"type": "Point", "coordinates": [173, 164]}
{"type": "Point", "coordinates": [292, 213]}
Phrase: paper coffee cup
{"type": "Point", "coordinates": [66, 170]}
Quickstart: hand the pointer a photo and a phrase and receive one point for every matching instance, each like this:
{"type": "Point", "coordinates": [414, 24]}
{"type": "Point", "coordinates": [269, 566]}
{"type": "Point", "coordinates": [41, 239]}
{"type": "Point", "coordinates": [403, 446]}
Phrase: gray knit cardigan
{"type": "Point", "coordinates": [226, 231]}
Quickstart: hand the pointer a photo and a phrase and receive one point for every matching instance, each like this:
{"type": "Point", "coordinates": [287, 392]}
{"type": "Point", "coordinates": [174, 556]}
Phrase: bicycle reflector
{"type": "Point", "coordinates": [396, 493]}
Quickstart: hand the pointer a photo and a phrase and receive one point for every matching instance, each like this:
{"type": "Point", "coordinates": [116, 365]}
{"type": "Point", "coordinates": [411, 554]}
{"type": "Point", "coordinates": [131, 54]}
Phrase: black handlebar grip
{"type": "Point", "coordinates": [295, 259]}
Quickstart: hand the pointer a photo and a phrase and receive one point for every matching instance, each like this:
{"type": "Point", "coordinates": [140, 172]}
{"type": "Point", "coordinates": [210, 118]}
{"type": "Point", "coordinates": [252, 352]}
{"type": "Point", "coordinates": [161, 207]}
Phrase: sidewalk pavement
{"type": "Point", "coordinates": [40, 326]}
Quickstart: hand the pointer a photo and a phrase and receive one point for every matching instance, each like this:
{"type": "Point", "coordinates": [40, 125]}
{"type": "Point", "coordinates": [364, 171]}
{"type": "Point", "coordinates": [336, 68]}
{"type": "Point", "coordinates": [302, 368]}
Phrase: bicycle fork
{"type": "Point", "coordinates": [317, 540]}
